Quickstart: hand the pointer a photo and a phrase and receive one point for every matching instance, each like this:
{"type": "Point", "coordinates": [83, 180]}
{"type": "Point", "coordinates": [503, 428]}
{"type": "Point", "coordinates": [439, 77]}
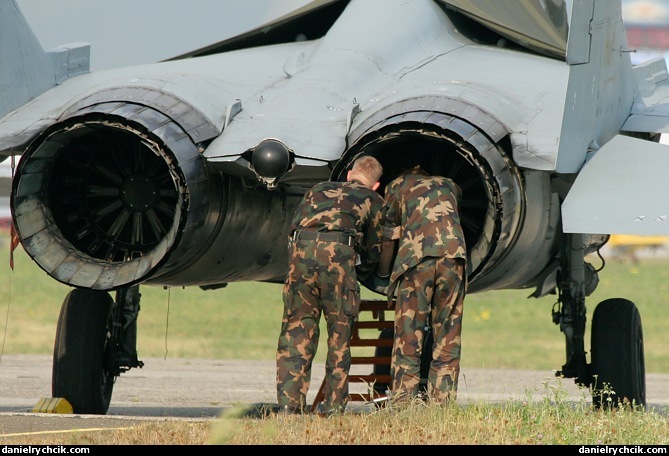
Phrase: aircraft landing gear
{"type": "Point", "coordinates": [616, 374]}
{"type": "Point", "coordinates": [95, 342]}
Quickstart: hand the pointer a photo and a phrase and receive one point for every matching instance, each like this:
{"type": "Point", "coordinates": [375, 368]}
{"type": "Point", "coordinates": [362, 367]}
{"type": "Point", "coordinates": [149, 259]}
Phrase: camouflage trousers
{"type": "Point", "coordinates": [431, 294]}
{"type": "Point", "coordinates": [321, 280]}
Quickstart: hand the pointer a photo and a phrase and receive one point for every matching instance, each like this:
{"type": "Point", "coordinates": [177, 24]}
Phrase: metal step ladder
{"type": "Point", "coordinates": [372, 315]}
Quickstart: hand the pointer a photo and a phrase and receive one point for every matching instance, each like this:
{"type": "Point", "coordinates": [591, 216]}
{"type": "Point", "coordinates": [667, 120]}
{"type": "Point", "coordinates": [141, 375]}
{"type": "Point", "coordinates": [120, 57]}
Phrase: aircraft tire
{"type": "Point", "coordinates": [384, 369]}
{"type": "Point", "coordinates": [618, 365]}
{"type": "Point", "coordinates": [81, 351]}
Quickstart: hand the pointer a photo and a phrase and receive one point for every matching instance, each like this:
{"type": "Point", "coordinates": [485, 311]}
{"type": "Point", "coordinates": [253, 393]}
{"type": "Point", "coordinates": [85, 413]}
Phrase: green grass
{"type": "Point", "coordinates": [501, 329]}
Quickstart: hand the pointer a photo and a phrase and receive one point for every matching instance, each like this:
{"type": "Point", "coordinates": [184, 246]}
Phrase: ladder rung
{"type": "Point", "coordinates": [370, 360]}
{"type": "Point", "coordinates": [371, 342]}
{"type": "Point", "coordinates": [366, 397]}
{"type": "Point", "coordinates": [373, 324]}
{"type": "Point", "coordinates": [375, 305]}
{"type": "Point", "coordinates": [371, 378]}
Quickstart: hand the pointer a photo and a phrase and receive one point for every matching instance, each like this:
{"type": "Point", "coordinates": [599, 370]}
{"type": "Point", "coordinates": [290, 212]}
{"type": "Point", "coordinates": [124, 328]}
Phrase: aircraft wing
{"type": "Point", "coordinates": [120, 33]}
{"type": "Point", "coordinates": [618, 194]}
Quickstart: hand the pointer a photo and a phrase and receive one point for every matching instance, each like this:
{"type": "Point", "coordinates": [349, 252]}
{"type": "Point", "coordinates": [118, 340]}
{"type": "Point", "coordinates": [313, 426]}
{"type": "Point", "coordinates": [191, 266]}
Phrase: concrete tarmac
{"type": "Point", "coordinates": [196, 389]}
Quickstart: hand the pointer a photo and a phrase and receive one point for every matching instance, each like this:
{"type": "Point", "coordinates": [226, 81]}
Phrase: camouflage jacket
{"type": "Point", "coordinates": [421, 212]}
{"type": "Point", "coordinates": [346, 207]}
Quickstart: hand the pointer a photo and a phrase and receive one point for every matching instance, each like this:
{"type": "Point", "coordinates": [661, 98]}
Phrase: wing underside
{"type": "Point", "coordinates": [622, 189]}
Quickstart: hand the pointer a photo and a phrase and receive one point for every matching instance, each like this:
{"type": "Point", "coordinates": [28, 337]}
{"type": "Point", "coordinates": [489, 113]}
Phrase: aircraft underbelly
{"type": "Point", "coordinates": [614, 194]}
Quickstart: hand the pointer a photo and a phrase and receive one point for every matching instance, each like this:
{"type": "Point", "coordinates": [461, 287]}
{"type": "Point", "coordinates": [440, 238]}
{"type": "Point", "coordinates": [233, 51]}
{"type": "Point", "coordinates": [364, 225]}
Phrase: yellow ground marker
{"type": "Point", "coordinates": [53, 405]}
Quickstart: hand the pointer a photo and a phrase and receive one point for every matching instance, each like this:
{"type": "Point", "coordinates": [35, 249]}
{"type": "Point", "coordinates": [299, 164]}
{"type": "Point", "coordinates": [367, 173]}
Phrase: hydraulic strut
{"type": "Point", "coordinates": [124, 331]}
{"type": "Point", "coordinates": [570, 313]}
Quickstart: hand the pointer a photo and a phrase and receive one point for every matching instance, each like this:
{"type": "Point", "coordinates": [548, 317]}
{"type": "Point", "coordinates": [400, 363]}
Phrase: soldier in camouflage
{"type": "Point", "coordinates": [428, 281]}
{"type": "Point", "coordinates": [337, 236]}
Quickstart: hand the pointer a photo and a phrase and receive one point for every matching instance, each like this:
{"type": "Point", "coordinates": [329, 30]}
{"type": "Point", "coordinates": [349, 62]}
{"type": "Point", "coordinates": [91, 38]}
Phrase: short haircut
{"type": "Point", "coordinates": [415, 169]}
{"type": "Point", "coordinates": [368, 166]}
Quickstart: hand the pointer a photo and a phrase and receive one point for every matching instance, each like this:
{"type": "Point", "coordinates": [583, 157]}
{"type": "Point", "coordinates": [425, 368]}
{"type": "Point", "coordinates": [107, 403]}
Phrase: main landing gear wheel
{"type": "Point", "coordinates": [618, 366]}
{"type": "Point", "coordinates": [81, 372]}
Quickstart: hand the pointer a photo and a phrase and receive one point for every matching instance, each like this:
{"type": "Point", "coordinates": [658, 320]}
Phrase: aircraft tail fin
{"type": "Point", "coordinates": [26, 70]}
{"type": "Point", "coordinates": [601, 83]}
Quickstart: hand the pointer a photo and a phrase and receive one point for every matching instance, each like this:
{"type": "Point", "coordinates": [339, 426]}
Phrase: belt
{"type": "Point", "coordinates": [328, 236]}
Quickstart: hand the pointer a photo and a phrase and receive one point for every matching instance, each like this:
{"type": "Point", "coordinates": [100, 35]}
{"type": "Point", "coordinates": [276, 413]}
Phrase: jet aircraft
{"type": "Point", "coordinates": [187, 172]}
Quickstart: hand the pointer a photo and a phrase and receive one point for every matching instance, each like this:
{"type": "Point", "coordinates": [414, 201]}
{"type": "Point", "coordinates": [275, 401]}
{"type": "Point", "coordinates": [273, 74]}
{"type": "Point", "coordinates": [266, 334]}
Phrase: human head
{"type": "Point", "coordinates": [367, 170]}
{"type": "Point", "coordinates": [416, 169]}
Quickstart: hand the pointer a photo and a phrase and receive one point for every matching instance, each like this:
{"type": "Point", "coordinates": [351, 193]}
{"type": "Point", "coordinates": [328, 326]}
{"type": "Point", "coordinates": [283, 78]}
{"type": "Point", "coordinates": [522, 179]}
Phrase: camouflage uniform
{"type": "Point", "coordinates": [429, 276]}
{"type": "Point", "coordinates": [322, 278]}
